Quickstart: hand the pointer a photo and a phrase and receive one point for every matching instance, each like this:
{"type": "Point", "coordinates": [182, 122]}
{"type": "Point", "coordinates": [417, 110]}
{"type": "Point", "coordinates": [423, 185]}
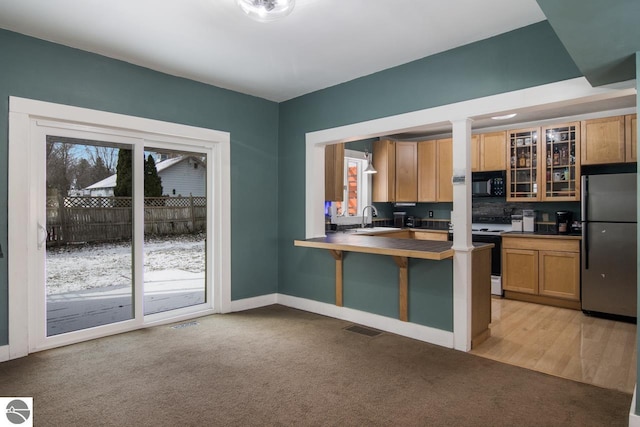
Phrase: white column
{"type": "Point", "coordinates": [462, 244]}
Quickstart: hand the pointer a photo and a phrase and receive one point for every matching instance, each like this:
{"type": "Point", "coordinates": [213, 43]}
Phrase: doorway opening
{"type": "Point", "coordinates": [99, 244]}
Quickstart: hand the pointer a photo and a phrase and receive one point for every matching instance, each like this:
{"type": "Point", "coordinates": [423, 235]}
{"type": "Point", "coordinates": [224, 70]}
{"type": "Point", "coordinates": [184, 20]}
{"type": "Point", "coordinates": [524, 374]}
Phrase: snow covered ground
{"type": "Point", "coordinates": [98, 265]}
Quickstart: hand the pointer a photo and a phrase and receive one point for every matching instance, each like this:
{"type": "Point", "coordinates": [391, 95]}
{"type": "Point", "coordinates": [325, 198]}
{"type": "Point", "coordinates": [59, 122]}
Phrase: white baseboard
{"type": "Point", "coordinates": [255, 302]}
{"type": "Point", "coordinates": [406, 329]}
{"type": "Point", "coordinates": [4, 353]}
{"type": "Point", "coordinates": [634, 419]}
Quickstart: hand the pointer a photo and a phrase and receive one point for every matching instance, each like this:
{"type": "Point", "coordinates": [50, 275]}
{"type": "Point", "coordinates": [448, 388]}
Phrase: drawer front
{"type": "Point", "coordinates": [541, 244]}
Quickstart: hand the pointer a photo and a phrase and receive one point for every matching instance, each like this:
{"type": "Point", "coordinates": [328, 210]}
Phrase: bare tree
{"type": "Point", "coordinates": [109, 156]}
{"type": "Point", "coordinates": [61, 166]}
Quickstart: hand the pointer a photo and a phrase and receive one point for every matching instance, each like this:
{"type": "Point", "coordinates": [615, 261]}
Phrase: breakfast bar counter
{"type": "Point", "coordinates": [378, 244]}
{"type": "Point", "coordinates": [403, 249]}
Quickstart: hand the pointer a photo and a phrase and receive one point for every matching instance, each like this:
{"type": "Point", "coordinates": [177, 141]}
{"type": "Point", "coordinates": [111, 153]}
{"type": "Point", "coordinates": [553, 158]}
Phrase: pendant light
{"type": "Point", "coordinates": [369, 169]}
{"type": "Point", "coordinates": [266, 10]}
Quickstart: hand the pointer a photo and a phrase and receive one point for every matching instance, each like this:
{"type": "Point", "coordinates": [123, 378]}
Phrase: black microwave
{"type": "Point", "coordinates": [488, 184]}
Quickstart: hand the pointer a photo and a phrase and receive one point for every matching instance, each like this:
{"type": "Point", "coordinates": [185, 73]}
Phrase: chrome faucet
{"type": "Point", "coordinates": [374, 212]}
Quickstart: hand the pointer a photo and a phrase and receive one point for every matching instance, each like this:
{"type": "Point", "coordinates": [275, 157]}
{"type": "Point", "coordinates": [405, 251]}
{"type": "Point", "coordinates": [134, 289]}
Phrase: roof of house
{"type": "Point", "coordinates": [110, 181]}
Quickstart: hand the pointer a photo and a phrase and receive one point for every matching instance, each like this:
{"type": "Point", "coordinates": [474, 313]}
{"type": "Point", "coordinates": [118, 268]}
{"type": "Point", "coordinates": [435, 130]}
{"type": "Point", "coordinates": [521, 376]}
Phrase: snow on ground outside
{"type": "Point", "coordinates": [97, 265]}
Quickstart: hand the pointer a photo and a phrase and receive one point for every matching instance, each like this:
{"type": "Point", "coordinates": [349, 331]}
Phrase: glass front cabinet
{"type": "Point", "coordinates": [523, 177]}
{"type": "Point", "coordinates": [544, 163]}
{"type": "Point", "coordinates": [561, 150]}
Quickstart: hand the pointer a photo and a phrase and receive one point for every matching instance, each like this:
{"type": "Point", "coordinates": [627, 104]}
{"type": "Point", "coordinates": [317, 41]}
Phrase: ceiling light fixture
{"type": "Point", "coordinates": [369, 169]}
{"type": "Point", "coordinates": [505, 117]}
{"type": "Point", "coordinates": [266, 10]}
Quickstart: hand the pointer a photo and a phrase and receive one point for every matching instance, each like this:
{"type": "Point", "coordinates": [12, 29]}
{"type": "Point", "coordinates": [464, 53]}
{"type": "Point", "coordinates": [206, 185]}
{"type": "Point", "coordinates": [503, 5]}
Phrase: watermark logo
{"type": "Point", "coordinates": [18, 411]}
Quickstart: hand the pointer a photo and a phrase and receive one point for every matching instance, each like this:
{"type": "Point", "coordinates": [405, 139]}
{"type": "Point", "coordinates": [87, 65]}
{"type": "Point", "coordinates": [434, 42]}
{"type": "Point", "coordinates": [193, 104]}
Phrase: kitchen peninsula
{"type": "Point", "coordinates": [404, 249]}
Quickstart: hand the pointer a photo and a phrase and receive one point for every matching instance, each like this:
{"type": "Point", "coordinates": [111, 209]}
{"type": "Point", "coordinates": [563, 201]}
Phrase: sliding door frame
{"type": "Point", "coordinates": [25, 117]}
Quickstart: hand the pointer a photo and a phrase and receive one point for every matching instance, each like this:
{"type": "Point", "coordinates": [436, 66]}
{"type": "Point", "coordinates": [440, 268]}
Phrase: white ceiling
{"type": "Point", "coordinates": [322, 43]}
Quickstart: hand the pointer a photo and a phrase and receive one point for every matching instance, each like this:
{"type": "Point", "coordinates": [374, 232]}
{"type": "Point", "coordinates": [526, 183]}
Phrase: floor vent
{"type": "Point", "coordinates": [363, 331]}
{"type": "Point", "coordinates": [185, 325]}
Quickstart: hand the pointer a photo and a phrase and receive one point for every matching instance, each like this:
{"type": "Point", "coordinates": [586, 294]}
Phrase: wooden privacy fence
{"type": "Point", "coordinates": [99, 219]}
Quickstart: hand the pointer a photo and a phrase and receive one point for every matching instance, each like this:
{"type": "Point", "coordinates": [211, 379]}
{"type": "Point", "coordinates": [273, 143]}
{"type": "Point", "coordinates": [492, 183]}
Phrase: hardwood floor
{"type": "Point", "coordinates": [562, 342]}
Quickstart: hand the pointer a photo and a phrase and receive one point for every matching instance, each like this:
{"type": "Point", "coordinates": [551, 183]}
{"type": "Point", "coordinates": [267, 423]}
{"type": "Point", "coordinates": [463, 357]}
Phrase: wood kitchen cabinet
{"type": "Point", "coordinates": [631, 137]}
{"type": "Point", "coordinates": [523, 172]}
{"type": "Point", "coordinates": [428, 171]}
{"type": "Point", "coordinates": [475, 153]}
{"type": "Point", "coordinates": [544, 270]}
{"type": "Point", "coordinates": [384, 162]}
{"type": "Point", "coordinates": [561, 162]}
{"type": "Point", "coordinates": [435, 168]}
{"type": "Point", "coordinates": [445, 170]}
{"type": "Point", "coordinates": [334, 172]}
{"type": "Point", "coordinates": [520, 270]}
{"type": "Point", "coordinates": [406, 171]}
{"type": "Point", "coordinates": [603, 141]}
{"type": "Point", "coordinates": [489, 152]}
{"type": "Point", "coordinates": [397, 166]}
{"type": "Point", "coordinates": [559, 274]}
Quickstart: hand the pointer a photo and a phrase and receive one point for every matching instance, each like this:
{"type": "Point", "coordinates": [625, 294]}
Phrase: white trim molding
{"type": "Point", "coordinates": [27, 118]}
{"type": "Point", "coordinates": [254, 302]}
{"type": "Point", "coordinates": [634, 419]}
{"type": "Point", "coordinates": [387, 324]}
{"type": "Point", "coordinates": [4, 353]}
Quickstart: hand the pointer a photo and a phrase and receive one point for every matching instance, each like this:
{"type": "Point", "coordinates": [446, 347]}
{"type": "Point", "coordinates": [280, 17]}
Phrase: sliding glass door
{"type": "Point", "coordinates": [88, 235]}
{"type": "Point", "coordinates": [122, 234]}
{"type": "Point", "coordinates": [175, 229]}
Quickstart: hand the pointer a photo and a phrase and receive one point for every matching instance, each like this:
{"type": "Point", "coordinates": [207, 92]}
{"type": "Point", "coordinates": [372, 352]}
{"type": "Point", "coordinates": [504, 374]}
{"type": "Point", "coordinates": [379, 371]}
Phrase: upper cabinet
{"type": "Point", "coordinates": [631, 137]}
{"type": "Point", "coordinates": [603, 141]}
{"type": "Point", "coordinates": [334, 172]}
{"type": "Point", "coordinates": [428, 171]}
{"type": "Point", "coordinates": [445, 170]}
{"type": "Point", "coordinates": [406, 171]}
{"type": "Point", "coordinates": [397, 166]}
{"type": "Point", "coordinates": [384, 181]}
{"type": "Point", "coordinates": [523, 174]}
{"type": "Point", "coordinates": [561, 153]}
{"type": "Point", "coordinates": [492, 152]}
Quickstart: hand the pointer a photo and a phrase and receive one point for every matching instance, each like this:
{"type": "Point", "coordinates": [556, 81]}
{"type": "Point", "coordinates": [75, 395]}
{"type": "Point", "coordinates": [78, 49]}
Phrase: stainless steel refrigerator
{"type": "Point", "coordinates": [609, 251]}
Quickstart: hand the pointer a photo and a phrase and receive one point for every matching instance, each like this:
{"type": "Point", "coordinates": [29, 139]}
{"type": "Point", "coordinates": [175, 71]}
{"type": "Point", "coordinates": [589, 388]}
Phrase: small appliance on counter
{"type": "Point", "coordinates": [563, 222]}
{"type": "Point", "coordinates": [516, 222]}
{"type": "Point", "coordinates": [528, 220]}
{"type": "Point", "coordinates": [410, 222]}
{"type": "Point", "coordinates": [399, 219]}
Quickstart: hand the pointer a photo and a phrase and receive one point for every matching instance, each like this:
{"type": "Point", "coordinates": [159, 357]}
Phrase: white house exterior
{"type": "Point", "coordinates": [181, 176]}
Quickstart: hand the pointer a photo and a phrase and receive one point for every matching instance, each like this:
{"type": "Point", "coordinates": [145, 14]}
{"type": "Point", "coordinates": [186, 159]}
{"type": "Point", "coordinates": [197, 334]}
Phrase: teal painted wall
{"type": "Point", "coordinates": [505, 63]}
{"type": "Point", "coordinates": [36, 69]}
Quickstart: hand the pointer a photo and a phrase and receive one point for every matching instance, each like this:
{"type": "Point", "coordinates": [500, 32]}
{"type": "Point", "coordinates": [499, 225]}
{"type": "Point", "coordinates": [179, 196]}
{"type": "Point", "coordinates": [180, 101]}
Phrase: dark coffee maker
{"type": "Point", "coordinates": [563, 222]}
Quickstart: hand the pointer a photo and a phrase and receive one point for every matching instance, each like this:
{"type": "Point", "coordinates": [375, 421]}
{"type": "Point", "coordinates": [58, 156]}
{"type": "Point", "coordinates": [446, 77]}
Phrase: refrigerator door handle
{"type": "Point", "coordinates": [585, 218]}
{"type": "Point", "coordinates": [584, 198]}
{"type": "Point", "coordinates": [585, 244]}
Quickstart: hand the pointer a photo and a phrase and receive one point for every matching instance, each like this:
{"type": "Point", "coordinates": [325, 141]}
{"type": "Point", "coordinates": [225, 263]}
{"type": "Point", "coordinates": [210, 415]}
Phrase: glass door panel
{"type": "Point", "coordinates": [522, 179]}
{"type": "Point", "coordinates": [89, 250]}
{"type": "Point", "coordinates": [175, 229]}
{"type": "Point", "coordinates": [562, 164]}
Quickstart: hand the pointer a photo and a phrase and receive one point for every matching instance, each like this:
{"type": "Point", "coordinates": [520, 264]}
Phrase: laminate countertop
{"type": "Point", "coordinates": [410, 248]}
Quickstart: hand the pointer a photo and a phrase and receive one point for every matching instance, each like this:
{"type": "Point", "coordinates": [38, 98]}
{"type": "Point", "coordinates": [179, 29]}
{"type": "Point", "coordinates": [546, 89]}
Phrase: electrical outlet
{"type": "Point", "coordinates": [430, 214]}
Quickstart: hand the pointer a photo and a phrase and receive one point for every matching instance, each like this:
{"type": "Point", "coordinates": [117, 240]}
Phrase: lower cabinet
{"type": "Point", "coordinates": [542, 270]}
